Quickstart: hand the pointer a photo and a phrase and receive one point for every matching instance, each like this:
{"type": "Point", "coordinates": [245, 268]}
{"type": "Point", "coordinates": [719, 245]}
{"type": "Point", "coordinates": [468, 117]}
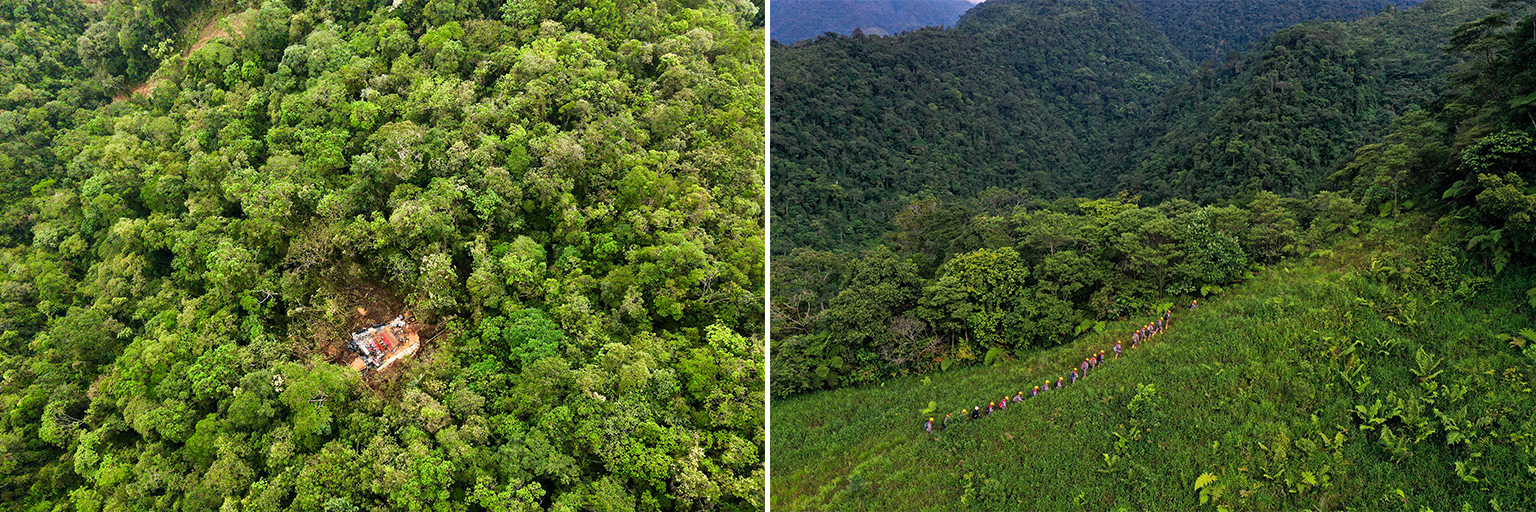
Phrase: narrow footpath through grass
{"type": "Point", "coordinates": [1245, 388]}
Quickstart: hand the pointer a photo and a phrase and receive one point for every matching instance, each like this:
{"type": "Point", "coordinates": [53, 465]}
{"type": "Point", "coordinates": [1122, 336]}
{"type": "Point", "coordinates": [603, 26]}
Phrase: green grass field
{"type": "Point", "coordinates": [1258, 389]}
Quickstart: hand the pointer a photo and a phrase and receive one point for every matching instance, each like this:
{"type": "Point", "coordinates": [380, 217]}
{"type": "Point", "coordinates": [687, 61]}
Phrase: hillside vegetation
{"type": "Point", "coordinates": [1367, 346]}
{"type": "Point", "coordinates": [1207, 30]}
{"type": "Point", "coordinates": [1324, 383]}
{"type": "Point", "coordinates": [568, 195]}
{"type": "Point", "coordinates": [1083, 98]}
{"type": "Point", "coordinates": [1021, 93]}
{"type": "Point", "coordinates": [1285, 116]}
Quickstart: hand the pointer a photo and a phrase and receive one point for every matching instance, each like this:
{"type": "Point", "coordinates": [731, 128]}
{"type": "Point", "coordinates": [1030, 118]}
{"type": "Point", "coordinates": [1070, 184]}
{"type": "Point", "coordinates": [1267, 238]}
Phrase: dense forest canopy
{"type": "Point", "coordinates": [1017, 95]}
{"type": "Point", "coordinates": [1066, 98]}
{"type": "Point", "coordinates": [1208, 30]}
{"type": "Point", "coordinates": [1288, 114]}
{"type": "Point", "coordinates": [200, 200]}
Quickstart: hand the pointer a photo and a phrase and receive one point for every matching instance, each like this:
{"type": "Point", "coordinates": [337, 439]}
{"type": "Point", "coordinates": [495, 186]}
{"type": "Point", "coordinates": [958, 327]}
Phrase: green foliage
{"type": "Point", "coordinates": [994, 355]}
{"type": "Point", "coordinates": [1337, 381]}
{"type": "Point", "coordinates": [1040, 279]}
{"type": "Point", "coordinates": [525, 336]}
{"type": "Point", "coordinates": [1241, 400]}
{"type": "Point", "coordinates": [1032, 97]}
{"type": "Point", "coordinates": [1208, 491]}
{"type": "Point", "coordinates": [1282, 117]}
{"type": "Point", "coordinates": [935, 113]}
{"type": "Point", "coordinates": [569, 203]}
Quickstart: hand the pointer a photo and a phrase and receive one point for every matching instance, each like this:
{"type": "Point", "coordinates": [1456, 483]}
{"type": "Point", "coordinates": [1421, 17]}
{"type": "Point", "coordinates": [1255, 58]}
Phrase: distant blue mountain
{"type": "Point", "coordinates": [796, 20]}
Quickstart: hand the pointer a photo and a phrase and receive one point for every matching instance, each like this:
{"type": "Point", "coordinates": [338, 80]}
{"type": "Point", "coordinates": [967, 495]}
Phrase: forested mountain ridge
{"type": "Point", "coordinates": [1286, 115]}
{"type": "Point", "coordinates": [1009, 97]}
{"type": "Point", "coordinates": [569, 194]}
{"type": "Point", "coordinates": [797, 20]}
{"type": "Point", "coordinates": [1208, 30]}
{"type": "Point", "coordinates": [1315, 92]}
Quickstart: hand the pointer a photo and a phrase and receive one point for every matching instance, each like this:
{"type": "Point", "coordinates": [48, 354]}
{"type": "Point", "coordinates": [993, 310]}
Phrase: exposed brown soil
{"type": "Point", "coordinates": [209, 30]}
{"type": "Point", "coordinates": [368, 303]}
{"type": "Point", "coordinates": [212, 29]}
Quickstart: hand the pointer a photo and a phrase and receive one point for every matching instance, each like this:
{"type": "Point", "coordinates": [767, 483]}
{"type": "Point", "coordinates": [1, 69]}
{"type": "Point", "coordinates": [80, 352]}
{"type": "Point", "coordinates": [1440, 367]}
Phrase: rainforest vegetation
{"type": "Point", "coordinates": [198, 199]}
{"type": "Point", "coordinates": [1204, 30]}
{"type": "Point", "coordinates": [1369, 334]}
{"type": "Point", "coordinates": [1086, 98]}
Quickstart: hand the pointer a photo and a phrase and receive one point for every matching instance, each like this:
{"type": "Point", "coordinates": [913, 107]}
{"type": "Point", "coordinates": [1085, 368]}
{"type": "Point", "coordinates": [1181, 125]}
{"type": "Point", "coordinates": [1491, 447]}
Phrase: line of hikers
{"type": "Point", "coordinates": [1092, 362]}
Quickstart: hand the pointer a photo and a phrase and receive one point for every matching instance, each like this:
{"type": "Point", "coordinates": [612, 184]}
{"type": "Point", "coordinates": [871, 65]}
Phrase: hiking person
{"type": "Point", "coordinates": [929, 426]}
{"type": "Point", "coordinates": [1019, 397]}
{"type": "Point", "coordinates": [1035, 392]}
{"type": "Point", "coordinates": [1059, 382]}
{"type": "Point", "coordinates": [1101, 357]}
{"type": "Point", "coordinates": [976, 413]}
{"type": "Point", "coordinates": [1117, 350]}
{"type": "Point", "coordinates": [1074, 375]}
{"type": "Point", "coordinates": [945, 425]}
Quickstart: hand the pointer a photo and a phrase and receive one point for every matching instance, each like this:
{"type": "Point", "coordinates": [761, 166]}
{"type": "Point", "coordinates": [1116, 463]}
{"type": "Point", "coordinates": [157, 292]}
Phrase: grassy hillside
{"type": "Point", "coordinates": [1322, 383]}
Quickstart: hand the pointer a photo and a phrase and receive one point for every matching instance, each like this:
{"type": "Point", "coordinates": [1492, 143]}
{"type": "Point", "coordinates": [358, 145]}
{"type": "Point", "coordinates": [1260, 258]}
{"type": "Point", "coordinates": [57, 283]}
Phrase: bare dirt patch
{"type": "Point", "coordinates": [210, 30]}
{"type": "Point", "coordinates": [207, 32]}
{"type": "Point", "coordinates": [367, 303]}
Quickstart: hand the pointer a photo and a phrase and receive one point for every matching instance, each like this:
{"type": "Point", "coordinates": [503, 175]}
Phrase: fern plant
{"type": "Point", "coordinates": [1427, 370]}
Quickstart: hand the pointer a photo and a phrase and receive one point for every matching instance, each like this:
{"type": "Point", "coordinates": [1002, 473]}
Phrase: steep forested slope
{"type": "Point", "coordinates": [568, 195]}
{"type": "Point", "coordinates": [1285, 116]}
{"type": "Point", "coordinates": [1206, 29]}
{"type": "Point", "coordinates": [796, 20]}
{"type": "Point", "coordinates": [1022, 93]}
{"type": "Point", "coordinates": [1090, 110]}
